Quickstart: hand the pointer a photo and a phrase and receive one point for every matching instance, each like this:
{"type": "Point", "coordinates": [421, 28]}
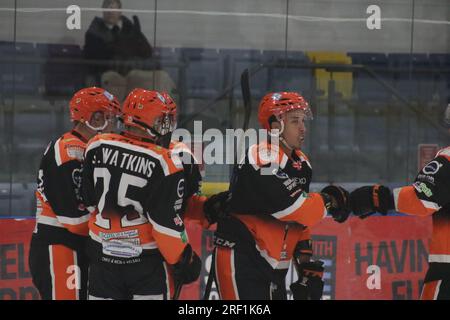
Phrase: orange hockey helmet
{"type": "Point", "coordinates": [87, 101]}
{"type": "Point", "coordinates": [152, 111]}
{"type": "Point", "coordinates": [278, 103]}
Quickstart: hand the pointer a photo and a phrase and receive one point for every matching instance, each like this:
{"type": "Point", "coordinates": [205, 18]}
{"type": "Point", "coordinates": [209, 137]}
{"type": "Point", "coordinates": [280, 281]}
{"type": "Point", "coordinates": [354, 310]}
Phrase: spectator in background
{"type": "Point", "coordinates": [115, 37]}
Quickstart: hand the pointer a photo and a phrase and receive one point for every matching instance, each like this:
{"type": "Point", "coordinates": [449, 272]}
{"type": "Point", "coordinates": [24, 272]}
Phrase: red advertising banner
{"type": "Point", "coordinates": [375, 258]}
{"type": "Point", "coordinates": [396, 247]}
{"type": "Point", "coordinates": [15, 278]}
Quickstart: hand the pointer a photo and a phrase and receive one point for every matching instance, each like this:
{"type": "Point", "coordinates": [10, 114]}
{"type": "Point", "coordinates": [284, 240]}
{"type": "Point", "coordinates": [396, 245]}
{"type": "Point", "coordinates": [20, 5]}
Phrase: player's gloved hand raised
{"type": "Point", "coordinates": [187, 269]}
{"type": "Point", "coordinates": [137, 24]}
{"type": "Point", "coordinates": [367, 200]}
{"type": "Point", "coordinates": [215, 207]}
{"type": "Point", "coordinates": [336, 201]}
{"type": "Point", "coordinates": [309, 285]}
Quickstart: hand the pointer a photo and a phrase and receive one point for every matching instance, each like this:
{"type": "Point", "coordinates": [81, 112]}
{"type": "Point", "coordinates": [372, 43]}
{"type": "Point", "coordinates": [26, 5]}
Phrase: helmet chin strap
{"type": "Point", "coordinates": [151, 133]}
{"type": "Point", "coordinates": [98, 129]}
{"type": "Point", "coordinates": [284, 142]}
{"type": "Point", "coordinates": [279, 135]}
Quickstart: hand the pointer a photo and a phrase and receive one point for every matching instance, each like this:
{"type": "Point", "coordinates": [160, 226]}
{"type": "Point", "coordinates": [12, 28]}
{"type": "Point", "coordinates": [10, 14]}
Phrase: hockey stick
{"type": "Point", "coordinates": [177, 292]}
{"type": "Point", "coordinates": [247, 98]}
{"type": "Point", "coordinates": [211, 276]}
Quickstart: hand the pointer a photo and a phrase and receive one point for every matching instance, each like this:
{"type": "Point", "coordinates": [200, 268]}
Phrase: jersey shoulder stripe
{"type": "Point", "coordinates": [303, 157]}
{"type": "Point", "coordinates": [180, 149]}
{"type": "Point", "coordinates": [265, 153]}
{"type": "Point", "coordinates": [68, 147]}
{"type": "Point", "coordinates": [444, 153]}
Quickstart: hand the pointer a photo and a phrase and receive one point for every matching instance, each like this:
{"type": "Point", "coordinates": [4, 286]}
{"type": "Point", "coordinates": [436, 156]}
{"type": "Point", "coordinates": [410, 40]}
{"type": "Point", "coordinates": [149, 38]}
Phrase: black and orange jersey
{"type": "Point", "coordinates": [278, 187]}
{"type": "Point", "coordinates": [193, 201]}
{"type": "Point", "coordinates": [430, 195]}
{"type": "Point", "coordinates": [135, 191]}
{"type": "Point", "coordinates": [270, 195]}
{"type": "Point", "coordinates": [61, 217]}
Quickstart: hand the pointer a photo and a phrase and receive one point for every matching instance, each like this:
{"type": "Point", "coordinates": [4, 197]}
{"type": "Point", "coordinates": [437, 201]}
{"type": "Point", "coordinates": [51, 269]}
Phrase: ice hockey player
{"type": "Point", "coordinates": [270, 215]}
{"type": "Point", "coordinates": [57, 261]}
{"type": "Point", "coordinates": [428, 195]}
{"type": "Point", "coordinates": [134, 188]}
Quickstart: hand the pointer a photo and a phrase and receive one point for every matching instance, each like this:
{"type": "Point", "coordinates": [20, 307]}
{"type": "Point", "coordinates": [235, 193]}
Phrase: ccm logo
{"type": "Point", "coordinates": [223, 242]}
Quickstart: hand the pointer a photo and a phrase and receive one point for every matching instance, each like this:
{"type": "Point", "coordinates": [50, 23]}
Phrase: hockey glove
{"type": "Point", "coordinates": [137, 24]}
{"type": "Point", "coordinates": [187, 270]}
{"type": "Point", "coordinates": [309, 285]}
{"type": "Point", "coordinates": [336, 201]}
{"type": "Point", "coordinates": [215, 207]}
{"type": "Point", "coordinates": [367, 200]}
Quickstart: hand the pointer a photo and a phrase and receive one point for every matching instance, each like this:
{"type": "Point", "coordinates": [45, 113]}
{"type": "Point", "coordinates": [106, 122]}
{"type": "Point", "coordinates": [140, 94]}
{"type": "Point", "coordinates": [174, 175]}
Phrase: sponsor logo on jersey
{"type": "Point", "coordinates": [432, 168]}
{"type": "Point", "coordinates": [130, 234]}
{"type": "Point", "coordinates": [422, 188]}
{"type": "Point", "coordinates": [177, 205]}
{"type": "Point", "coordinates": [280, 174]}
{"type": "Point", "coordinates": [74, 151]}
{"type": "Point", "coordinates": [423, 177]}
{"type": "Point", "coordinates": [294, 182]}
{"type": "Point", "coordinates": [121, 248]}
{"type": "Point", "coordinates": [180, 188]}
{"type": "Point", "coordinates": [76, 178]}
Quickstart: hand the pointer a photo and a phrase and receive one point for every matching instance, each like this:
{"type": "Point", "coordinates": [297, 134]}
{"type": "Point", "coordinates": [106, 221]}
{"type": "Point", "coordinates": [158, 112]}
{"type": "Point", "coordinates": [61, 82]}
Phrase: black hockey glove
{"type": "Point", "coordinates": [137, 24]}
{"type": "Point", "coordinates": [215, 207]}
{"type": "Point", "coordinates": [187, 270]}
{"type": "Point", "coordinates": [336, 201]}
{"type": "Point", "coordinates": [367, 200]}
{"type": "Point", "coordinates": [309, 285]}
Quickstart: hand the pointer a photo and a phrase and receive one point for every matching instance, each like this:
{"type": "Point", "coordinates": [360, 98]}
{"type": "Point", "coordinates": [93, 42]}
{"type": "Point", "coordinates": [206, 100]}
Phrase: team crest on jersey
{"type": "Point", "coordinates": [297, 165]}
{"type": "Point", "coordinates": [178, 221]}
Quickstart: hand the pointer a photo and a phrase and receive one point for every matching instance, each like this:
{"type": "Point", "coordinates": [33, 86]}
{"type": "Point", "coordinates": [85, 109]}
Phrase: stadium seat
{"type": "Point", "coordinates": [365, 86]}
{"type": "Point", "coordinates": [63, 77]}
{"type": "Point", "coordinates": [440, 63]}
{"type": "Point", "coordinates": [169, 59]}
{"type": "Point", "coordinates": [204, 72]}
{"type": "Point", "coordinates": [285, 73]}
{"type": "Point", "coordinates": [17, 199]}
{"type": "Point", "coordinates": [236, 61]}
{"type": "Point", "coordinates": [19, 69]}
{"type": "Point", "coordinates": [343, 80]}
{"type": "Point", "coordinates": [413, 76]}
